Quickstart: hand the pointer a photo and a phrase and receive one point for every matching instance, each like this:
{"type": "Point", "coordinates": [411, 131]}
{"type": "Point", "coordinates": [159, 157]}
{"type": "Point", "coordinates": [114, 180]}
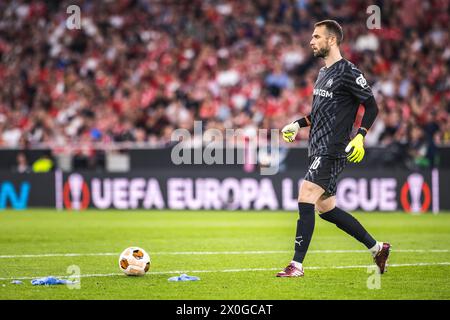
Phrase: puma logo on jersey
{"type": "Point", "coordinates": [323, 93]}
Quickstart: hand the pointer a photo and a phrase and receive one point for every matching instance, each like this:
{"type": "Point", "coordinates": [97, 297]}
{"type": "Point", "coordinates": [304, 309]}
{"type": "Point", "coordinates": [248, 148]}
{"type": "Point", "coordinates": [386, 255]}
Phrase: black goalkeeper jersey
{"type": "Point", "coordinates": [338, 92]}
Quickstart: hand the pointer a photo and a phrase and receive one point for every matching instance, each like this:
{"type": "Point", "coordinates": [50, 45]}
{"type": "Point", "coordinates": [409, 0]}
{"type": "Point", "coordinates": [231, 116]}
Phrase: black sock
{"type": "Point", "coordinates": [305, 228]}
{"type": "Point", "coordinates": [349, 224]}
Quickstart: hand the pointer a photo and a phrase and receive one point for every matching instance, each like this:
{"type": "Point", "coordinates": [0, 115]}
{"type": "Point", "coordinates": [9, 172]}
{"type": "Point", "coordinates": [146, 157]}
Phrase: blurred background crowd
{"type": "Point", "coordinates": [139, 69]}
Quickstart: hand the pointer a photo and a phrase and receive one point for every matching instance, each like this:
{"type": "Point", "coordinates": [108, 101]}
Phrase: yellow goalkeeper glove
{"type": "Point", "coordinates": [290, 131]}
{"type": "Point", "coordinates": [358, 149]}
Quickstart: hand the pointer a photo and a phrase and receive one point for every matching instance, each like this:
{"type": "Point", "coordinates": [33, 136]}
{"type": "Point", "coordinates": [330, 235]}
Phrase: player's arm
{"type": "Point", "coordinates": [357, 85]}
{"type": "Point", "coordinates": [304, 122]}
{"type": "Point", "coordinates": [370, 113]}
{"type": "Point", "coordinates": [290, 131]}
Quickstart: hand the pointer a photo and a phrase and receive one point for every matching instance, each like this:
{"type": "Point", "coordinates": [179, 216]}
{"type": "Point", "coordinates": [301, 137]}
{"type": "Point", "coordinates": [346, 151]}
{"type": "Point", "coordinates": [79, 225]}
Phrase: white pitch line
{"type": "Point", "coordinates": [420, 264]}
{"type": "Point", "coordinates": [49, 255]}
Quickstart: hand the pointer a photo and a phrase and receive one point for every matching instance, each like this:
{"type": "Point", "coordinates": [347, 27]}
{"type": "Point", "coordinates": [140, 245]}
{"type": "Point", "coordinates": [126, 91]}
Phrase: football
{"type": "Point", "coordinates": [134, 261]}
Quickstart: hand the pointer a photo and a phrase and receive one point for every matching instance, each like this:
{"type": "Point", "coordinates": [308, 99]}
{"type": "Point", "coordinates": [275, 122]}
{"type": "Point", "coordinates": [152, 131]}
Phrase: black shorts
{"type": "Point", "coordinates": [324, 171]}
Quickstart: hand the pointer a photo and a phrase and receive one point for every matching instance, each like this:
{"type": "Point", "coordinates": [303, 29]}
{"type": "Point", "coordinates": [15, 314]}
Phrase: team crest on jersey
{"type": "Point", "coordinates": [361, 81]}
{"type": "Point", "coordinates": [329, 83]}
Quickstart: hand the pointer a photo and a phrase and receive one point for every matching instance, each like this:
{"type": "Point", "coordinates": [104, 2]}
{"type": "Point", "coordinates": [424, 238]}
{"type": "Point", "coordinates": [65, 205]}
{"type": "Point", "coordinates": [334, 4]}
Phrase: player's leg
{"type": "Point", "coordinates": [326, 205]}
{"type": "Point", "coordinates": [308, 195]}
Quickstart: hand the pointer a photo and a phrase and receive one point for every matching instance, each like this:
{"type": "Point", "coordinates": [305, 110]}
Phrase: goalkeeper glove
{"type": "Point", "coordinates": [358, 149]}
{"type": "Point", "coordinates": [290, 131]}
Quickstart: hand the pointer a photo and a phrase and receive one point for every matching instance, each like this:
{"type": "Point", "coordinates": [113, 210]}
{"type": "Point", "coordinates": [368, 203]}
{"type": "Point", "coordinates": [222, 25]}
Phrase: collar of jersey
{"type": "Point", "coordinates": [328, 68]}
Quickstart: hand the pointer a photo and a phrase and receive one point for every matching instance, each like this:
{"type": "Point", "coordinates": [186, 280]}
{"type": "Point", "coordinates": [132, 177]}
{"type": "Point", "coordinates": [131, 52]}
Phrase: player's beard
{"type": "Point", "coordinates": [322, 52]}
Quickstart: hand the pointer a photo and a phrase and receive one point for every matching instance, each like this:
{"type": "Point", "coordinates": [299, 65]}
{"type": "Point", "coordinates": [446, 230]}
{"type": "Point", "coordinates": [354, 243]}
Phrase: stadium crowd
{"type": "Point", "coordinates": [138, 69]}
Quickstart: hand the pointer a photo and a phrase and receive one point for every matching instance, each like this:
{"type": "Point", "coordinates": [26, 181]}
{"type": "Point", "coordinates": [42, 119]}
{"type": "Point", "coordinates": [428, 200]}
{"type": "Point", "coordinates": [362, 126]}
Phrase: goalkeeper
{"type": "Point", "coordinates": [339, 90]}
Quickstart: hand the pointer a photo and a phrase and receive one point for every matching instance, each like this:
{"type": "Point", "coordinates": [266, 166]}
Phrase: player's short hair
{"type": "Point", "coordinates": [332, 27]}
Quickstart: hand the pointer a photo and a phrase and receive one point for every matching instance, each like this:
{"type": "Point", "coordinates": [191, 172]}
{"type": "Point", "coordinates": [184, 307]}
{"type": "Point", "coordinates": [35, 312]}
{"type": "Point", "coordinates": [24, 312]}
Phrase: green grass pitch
{"type": "Point", "coordinates": [236, 255]}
